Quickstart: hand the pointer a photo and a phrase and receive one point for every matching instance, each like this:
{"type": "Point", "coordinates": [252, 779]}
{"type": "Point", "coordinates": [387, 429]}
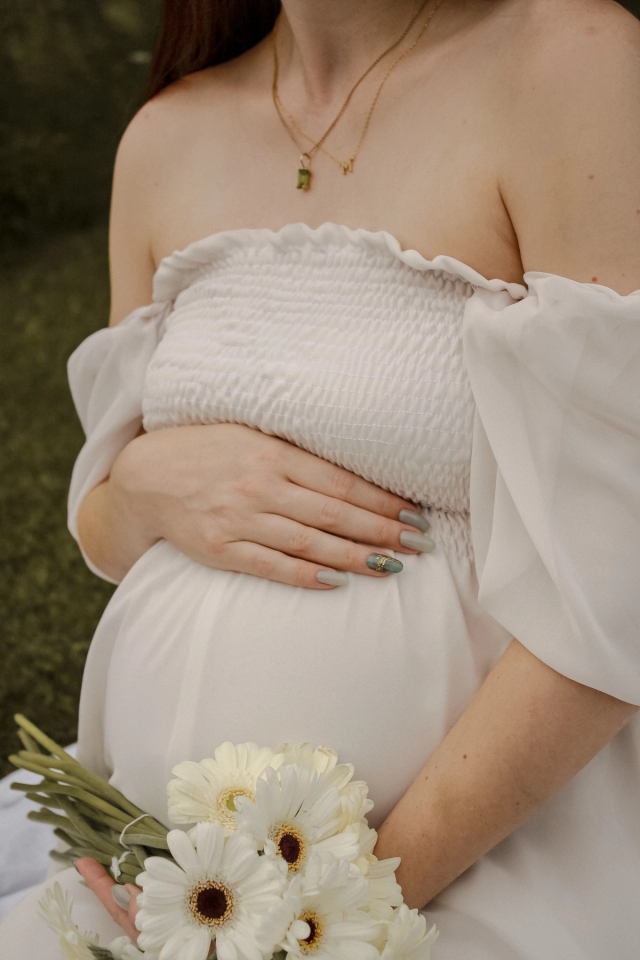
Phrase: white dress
{"type": "Point", "coordinates": [511, 414]}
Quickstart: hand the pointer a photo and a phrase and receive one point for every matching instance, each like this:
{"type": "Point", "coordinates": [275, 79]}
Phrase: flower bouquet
{"type": "Point", "coordinates": [275, 858]}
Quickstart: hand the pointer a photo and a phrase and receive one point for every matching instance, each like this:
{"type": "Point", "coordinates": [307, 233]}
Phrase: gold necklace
{"type": "Point", "coordinates": [304, 173]}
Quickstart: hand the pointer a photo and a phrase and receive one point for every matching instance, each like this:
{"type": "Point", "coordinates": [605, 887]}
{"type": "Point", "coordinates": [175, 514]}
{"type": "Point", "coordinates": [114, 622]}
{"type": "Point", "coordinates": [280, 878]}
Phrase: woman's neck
{"type": "Point", "coordinates": [329, 43]}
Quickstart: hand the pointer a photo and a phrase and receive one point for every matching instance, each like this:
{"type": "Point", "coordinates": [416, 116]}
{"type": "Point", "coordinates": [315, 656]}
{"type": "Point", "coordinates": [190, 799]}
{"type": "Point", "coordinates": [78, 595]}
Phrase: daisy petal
{"type": "Point", "coordinates": [225, 948]}
{"type": "Point", "coordinates": [196, 947]}
{"type": "Point", "coordinates": [184, 854]}
{"type": "Point", "coordinates": [209, 838]}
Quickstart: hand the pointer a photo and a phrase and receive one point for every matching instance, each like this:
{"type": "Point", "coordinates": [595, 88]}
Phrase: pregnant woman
{"type": "Point", "coordinates": [364, 455]}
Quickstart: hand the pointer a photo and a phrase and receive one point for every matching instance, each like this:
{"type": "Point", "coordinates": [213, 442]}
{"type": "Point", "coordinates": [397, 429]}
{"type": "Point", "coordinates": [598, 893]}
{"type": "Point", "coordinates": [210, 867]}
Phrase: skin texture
{"type": "Point", "coordinates": [510, 140]}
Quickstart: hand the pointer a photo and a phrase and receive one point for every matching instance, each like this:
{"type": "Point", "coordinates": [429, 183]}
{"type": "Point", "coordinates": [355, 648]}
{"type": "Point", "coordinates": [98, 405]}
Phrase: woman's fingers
{"type": "Point", "coordinates": [346, 520]}
{"type": "Point", "coordinates": [245, 556]}
{"type": "Point", "coordinates": [298, 540]}
{"type": "Point", "coordinates": [307, 470]}
{"type": "Point", "coordinates": [101, 884]}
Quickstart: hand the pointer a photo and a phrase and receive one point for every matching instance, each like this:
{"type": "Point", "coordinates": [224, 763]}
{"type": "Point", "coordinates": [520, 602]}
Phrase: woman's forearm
{"type": "Point", "coordinates": [108, 536]}
{"type": "Point", "coordinates": [527, 732]}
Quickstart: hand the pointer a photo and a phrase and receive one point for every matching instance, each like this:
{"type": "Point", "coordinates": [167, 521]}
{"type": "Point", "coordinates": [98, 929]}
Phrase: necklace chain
{"type": "Point", "coordinates": [290, 125]}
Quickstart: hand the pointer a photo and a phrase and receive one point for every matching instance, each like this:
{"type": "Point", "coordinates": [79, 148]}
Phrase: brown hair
{"type": "Point", "coordinates": [201, 33]}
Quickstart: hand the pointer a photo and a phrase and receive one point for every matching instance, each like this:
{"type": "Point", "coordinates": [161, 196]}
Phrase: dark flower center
{"type": "Point", "coordinates": [290, 844]}
{"type": "Point", "coordinates": [289, 847]}
{"type": "Point", "coordinates": [312, 942]}
{"type": "Point", "coordinates": [314, 929]}
{"type": "Point", "coordinates": [211, 903]}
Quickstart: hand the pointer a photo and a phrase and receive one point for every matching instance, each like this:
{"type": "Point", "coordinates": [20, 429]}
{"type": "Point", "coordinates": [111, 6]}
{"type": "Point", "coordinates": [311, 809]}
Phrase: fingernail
{"type": "Point", "coordinates": [333, 578]}
{"type": "Point", "coordinates": [413, 519]}
{"type": "Point", "coordinates": [381, 563]}
{"type": "Point", "coordinates": [417, 541]}
{"type": "Point", "coordinates": [121, 896]}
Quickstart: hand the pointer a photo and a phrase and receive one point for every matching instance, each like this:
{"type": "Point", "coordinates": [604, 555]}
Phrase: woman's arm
{"type": "Point", "coordinates": [225, 495]}
{"type": "Point", "coordinates": [528, 731]}
{"type": "Point", "coordinates": [571, 184]}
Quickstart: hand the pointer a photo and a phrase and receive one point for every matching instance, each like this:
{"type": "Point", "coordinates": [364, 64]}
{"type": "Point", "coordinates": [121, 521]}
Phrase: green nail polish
{"type": "Point", "coordinates": [381, 563]}
{"type": "Point", "coordinates": [413, 519]}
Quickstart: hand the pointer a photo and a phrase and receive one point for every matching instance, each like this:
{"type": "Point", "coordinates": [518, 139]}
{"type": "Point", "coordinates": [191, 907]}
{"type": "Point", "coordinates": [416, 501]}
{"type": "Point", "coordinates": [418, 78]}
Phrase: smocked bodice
{"type": "Point", "coordinates": [340, 348]}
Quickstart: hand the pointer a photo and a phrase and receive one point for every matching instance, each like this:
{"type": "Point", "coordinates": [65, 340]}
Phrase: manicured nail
{"type": "Point", "coordinates": [417, 541]}
{"type": "Point", "coordinates": [333, 578]}
{"type": "Point", "coordinates": [381, 563]}
{"type": "Point", "coordinates": [413, 519]}
{"type": "Point", "coordinates": [121, 896]}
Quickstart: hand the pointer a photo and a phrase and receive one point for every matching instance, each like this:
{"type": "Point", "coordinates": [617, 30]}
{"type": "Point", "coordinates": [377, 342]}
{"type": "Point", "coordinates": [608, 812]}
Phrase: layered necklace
{"type": "Point", "coordinates": [294, 131]}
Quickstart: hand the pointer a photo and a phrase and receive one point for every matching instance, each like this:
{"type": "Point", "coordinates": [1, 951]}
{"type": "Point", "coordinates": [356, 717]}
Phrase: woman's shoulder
{"type": "Point", "coordinates": [570, 114]}
{"type": "Point", "coordinates": [568, 42]}
{"type": "Point", "coordinates": [179, 110]}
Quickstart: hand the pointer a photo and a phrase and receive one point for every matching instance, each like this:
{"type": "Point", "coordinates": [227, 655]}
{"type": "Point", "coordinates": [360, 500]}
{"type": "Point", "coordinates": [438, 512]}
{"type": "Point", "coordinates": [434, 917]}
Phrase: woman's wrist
{"type": "Point", "coordinates": [113, 529]}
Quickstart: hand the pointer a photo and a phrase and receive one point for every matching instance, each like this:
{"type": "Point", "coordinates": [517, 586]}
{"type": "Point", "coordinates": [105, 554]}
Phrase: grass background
{"type": "Point", "coordinates": [71, 75]}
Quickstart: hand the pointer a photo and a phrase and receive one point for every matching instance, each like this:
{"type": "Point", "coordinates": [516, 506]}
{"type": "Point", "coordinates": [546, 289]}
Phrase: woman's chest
{"type": "Point", "coordinates": [353, 357]}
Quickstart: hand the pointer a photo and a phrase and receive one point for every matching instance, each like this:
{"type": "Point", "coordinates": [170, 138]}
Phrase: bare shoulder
{"type": "Point", "coordinates": [571, 112]}
{"type": "Point", "coordinates": [571, 54]}
{"type": "Point", "coordinates": [165, 125]}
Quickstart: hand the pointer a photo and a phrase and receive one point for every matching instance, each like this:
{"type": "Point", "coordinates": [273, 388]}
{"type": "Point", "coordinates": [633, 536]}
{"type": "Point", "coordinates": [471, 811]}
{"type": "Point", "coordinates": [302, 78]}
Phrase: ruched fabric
{"type": "Point", "coordinates": [555, 477]}
{"type": "Point", "coordinates": [510, 414]}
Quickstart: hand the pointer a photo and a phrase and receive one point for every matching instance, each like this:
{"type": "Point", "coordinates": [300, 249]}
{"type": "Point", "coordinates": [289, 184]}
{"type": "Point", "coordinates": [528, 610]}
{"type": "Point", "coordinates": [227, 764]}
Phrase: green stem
{"type": "Point", "coordinates": [73, 772]}
{"type": "Point", "coordinates": [44, 772]}
{"type": "Point", "coordinates": [28, 743]}
{"type": "Point", "coordinates": [40, 737]}
{"type": "Point", "coordinates": [47, 816]}
{"type": "Point", "coordinates": [51, 787]}
{"type": "Point", "coordinates": [80, 825]}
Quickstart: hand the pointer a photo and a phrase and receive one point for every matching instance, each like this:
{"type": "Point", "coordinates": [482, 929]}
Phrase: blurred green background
{"type": "Point", "coordinates": [72, 73]}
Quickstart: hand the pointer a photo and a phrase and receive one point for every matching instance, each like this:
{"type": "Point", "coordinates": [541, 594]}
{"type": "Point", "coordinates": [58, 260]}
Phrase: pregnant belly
{"type": "Point", "coordinates": [185, 658]}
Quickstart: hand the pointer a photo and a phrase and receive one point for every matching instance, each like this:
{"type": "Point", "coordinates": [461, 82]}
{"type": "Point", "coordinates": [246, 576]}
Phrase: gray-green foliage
{"type": "Point", "coordinates": [71, 75]}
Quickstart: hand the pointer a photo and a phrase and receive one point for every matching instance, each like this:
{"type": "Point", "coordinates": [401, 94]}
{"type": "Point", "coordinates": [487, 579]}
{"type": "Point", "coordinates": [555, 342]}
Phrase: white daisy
{"type": "Point", "coordinates": [354, 803]}
{"type": "Point", "coordinates": [208, 790]}
{"type": "Point", "coordinates": [407, 937]}
{"type": "Point", "coordinates": [294, 815]}
{"type": "Point", "coordinates": [385, 892]}
{"type": "Point", "coordinates": [323, 915]}
{"type": "Point", "coordinates": [322, 760]}
{"type": "Point", "coordinates": [216, 890]}
{"type": "Point", "coordinates": [56, 908]}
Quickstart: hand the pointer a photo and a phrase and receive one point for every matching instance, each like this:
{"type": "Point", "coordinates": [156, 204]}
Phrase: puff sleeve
{"type": "Point", "coordinates": [555, 474]}
{"type": "Point", "coordinates": [106, 376]}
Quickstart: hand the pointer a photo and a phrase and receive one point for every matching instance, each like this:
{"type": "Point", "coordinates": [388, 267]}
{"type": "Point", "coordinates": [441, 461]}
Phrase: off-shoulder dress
{"type": "Point", "coordinates": [511, 414]}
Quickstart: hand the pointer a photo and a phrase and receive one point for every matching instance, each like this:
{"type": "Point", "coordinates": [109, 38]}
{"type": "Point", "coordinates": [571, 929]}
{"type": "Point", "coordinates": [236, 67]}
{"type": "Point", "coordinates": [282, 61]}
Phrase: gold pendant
{"type": "Point", "coordinates": [347, 165]}
{"type": "Point", "coordinates": [304, 174]}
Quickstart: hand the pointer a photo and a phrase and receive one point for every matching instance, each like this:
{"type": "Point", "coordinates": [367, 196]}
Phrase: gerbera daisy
{"type": "Point", "coordinates": [354, 803]}
{"type": "Point", "coordinates": [295, 815]}
{"type": "Point", "coordinates": [56, 908]}
{"type": "Point", "coordinates": [208, 790]}
{"type": "Point", "coordinates": [322, 760]}
{"type": "Point", "coordinates": [323, 915]}
{"type": "Point", "coordinates": [407, 937]}
{"type": "Point", "coordinates": [216, 890]}
{"type": "Point", "coordinates": [385, 892]}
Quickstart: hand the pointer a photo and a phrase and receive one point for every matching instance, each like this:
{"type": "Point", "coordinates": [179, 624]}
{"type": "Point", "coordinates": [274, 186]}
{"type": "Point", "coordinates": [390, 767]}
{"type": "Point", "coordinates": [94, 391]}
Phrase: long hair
{"type": "Point", "coordinates": [201, 33]}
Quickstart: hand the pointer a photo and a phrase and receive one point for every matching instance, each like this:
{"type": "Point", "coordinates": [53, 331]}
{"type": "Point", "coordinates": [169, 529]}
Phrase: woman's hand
{"type": "Point", "coordinates": [236, 499]}
{"type": "Point", "coordinates": [102, 885]}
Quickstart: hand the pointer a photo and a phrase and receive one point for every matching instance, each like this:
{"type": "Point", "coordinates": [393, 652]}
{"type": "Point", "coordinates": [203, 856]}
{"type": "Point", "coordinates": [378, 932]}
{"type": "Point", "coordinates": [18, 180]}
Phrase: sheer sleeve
{"type": "Point", "coordinates": [106, 376]}
{"type": "Point", "coordinates": [555, 474]}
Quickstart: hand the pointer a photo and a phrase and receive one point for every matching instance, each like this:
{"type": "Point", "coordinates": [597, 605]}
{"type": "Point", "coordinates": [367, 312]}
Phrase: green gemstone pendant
{"type": "Point", "coordinates": [304, 179]}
